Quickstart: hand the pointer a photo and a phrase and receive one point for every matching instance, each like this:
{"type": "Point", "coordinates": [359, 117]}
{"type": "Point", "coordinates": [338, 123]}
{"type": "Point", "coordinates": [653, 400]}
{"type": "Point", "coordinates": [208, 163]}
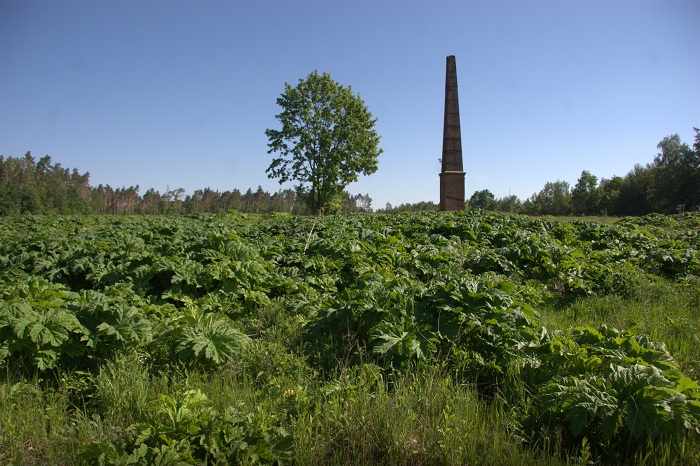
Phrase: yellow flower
{"type": "Point", "coordinates": [288, 393]}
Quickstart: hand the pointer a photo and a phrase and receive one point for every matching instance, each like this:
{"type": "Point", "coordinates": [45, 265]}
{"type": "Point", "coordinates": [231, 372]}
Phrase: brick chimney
{"type": "Point", "coordinates": [452, 175]}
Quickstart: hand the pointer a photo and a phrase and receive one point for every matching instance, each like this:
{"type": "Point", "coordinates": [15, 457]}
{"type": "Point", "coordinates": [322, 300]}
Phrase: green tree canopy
{"type": "Point", "coordinates": [675, 181]}
{"type": "Point", "coordinates": [585, 195]}
{"type": "Point", "coordinates": [509, 203]}
{"type": "Point", "coordinates": [554, 199]}
{"type": "Point", "coordinates": [483, 199]}
{"type": "Point", "coordinates": [327, 139]}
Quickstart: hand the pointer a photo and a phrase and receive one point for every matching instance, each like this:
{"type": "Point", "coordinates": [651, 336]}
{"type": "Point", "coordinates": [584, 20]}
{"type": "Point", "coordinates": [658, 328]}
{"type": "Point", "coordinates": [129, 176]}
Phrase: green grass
{"type": "Point", "coordinates": [665, 311]}
{"type": "Point", "coordinates": [421, 417]}
{"type": "Point", "coordinates": [361, 417]}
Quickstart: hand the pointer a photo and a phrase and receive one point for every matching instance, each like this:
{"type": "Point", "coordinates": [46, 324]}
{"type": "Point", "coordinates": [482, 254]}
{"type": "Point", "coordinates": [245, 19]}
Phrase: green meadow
{"type": "Point", "coordinates": [416, 338]}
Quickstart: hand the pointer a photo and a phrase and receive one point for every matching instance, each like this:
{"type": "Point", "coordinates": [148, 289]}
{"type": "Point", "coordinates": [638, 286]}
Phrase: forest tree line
{"type": "Point", "coordinates": [28, 186]}
{"type": "Point", "coordinates": [670, 184]}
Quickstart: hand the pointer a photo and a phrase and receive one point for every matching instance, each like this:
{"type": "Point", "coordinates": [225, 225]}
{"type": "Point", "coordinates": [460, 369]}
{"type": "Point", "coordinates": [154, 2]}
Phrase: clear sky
{"type": "Point", "coordinates": [180, 93]}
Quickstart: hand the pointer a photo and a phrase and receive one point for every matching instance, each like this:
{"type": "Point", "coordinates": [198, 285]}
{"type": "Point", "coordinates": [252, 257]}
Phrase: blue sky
{"type": "Point", "coordinates": [180, 93]}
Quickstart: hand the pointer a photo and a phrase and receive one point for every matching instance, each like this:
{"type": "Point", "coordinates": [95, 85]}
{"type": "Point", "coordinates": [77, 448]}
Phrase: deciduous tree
{"type": "Point", "coordinates": [483, 199]}
{"type": "Point", "coordinates": [585, 195]}
{"type": "Point", "coordinates": [675, 181]}
{"type": "Point", "coordinates": [327, 139]}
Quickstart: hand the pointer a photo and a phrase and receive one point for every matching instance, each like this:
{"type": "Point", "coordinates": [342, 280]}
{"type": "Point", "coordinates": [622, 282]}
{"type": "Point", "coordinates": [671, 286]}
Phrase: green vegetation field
{"type": "Point", "coordinates": [422, 338]}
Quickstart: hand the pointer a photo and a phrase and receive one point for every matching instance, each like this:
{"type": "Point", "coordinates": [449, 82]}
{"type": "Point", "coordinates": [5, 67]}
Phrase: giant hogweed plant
{"type": "Point", "coordinates": [199, 337]}
{"type": "Point", "coordinates": [375, 318]}
{"type": "Point", "coordinates": [43, 325]}
{"type": "Point", "coordinates": [616, 389]}
{"type": "Point", "coordinates": [612, 387]}
{"type": "Point", "coordinates": [36, 327]}
{"type": "Point", "coordinates": [186, 429]}
{"type": "Point", "coordinates": [390, 289]}
{"type": "Point", "coordinates": [46, 323]}
{"type": "Point", "coordinates": [481, 326]}
{"type": "Point", "coordinates": [118, 319]}
{"type": "Point", "coordinates": [398, 320]}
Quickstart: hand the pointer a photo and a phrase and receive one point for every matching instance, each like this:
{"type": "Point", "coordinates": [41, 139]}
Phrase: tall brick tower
{"type": "Point", "coordinates": [452, 175]}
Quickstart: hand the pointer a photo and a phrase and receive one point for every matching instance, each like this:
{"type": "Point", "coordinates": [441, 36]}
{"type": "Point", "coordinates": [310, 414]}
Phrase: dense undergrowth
{"type": "Point", "coordinates": [428, 338]}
